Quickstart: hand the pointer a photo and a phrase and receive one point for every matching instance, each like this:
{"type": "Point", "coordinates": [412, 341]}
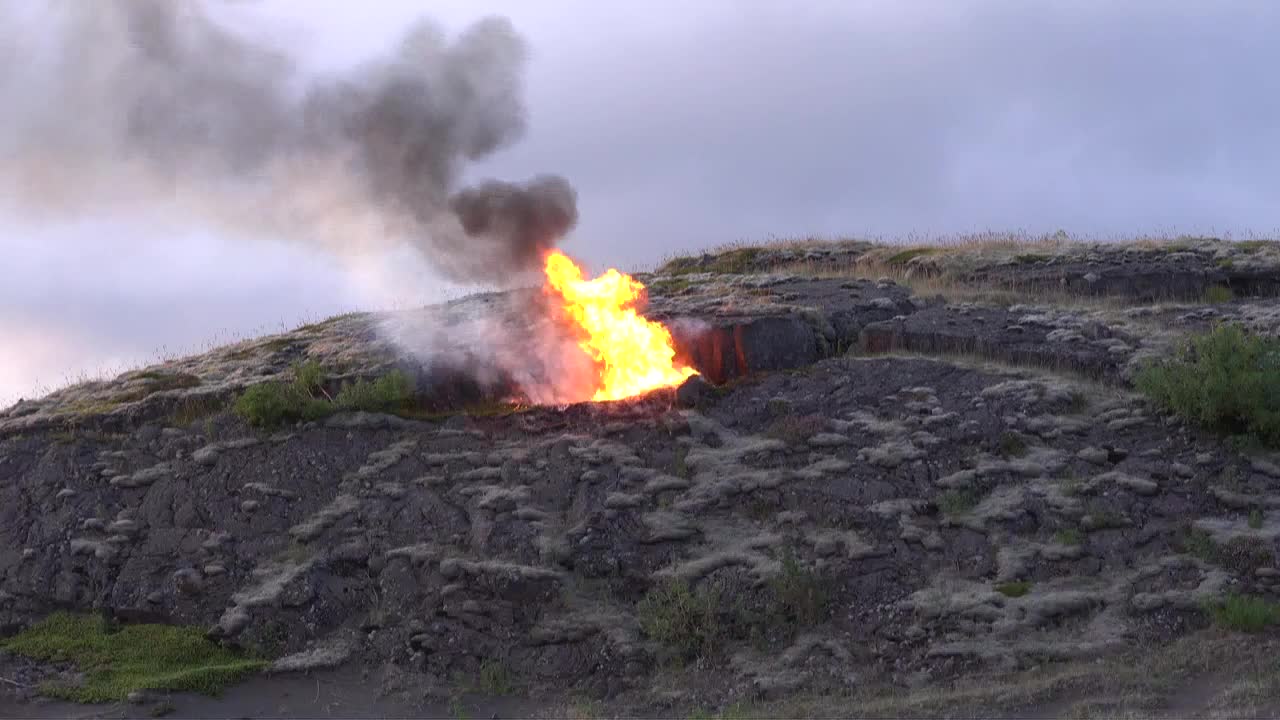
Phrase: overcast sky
{"type": "Point", "coordinates": [689, 124]}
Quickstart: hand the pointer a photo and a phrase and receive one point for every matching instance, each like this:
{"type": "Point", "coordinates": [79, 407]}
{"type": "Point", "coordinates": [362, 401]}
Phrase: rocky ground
{"type": "Point", "coordinates": [911, 482]}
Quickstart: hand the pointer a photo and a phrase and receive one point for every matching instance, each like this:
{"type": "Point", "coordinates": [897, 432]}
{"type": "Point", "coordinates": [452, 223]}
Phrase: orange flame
{"type": "Point", "coordinates": [634, 354]}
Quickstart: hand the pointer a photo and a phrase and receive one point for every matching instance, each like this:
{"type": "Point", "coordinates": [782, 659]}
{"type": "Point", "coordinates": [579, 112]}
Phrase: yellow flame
{"type": "Point", "coordinates": [634, 354]}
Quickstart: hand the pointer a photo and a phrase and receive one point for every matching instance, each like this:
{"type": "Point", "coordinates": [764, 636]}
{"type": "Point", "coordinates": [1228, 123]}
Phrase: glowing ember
{"type": "Point", "coordinates": [634, 354]}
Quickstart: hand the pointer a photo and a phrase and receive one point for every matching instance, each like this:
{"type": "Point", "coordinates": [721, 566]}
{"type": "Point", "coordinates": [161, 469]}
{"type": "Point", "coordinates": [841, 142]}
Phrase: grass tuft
{"type": "Point", "coordinates": [682, 619]}
{"type": "Point", "coordinates": [276, 403]}
{"type": "Point", "coordinates": [1245, 613]}
{"type": "Point", "coordinates": [1068, 536]}
{"type": "Point", "coordinates": [132, 657]}
{"type": "Point", "coordinates": [956, 502]}
{"type": "Point", "coordinates": [1014, 589]}
{"type": "Point", "coordinates": [1227, 380]}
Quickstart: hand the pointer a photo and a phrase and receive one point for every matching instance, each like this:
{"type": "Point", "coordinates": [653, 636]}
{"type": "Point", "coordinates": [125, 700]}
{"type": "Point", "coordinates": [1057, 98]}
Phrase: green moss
{"type": "Point", "coordinates": [1068, 536]}
{"type": "Point", "coordinates": [1255, 518]}
{"type": "Point", "coordinates": [1243, 613]}
{"type": "Point", "coordinates": [729, 262]}
{"type": "Point", "coordinates": [1014, 589]}
{"type": "Point", "coordinates": [906, 256]}
{"type": "Point", "coordinates": [1031, 258]}
{"type": "Point", "coordinates": [1012, 444]}
{"type": "Point", "coordinates": [1227, 380]}
{"type": "Point", "coordinates": [133, 657]}
{"type": "Point", "coordinates": [956, 502]}
{"type": "Point", "coordinates": [795, 429]}
{"type": "Point", "coordinates": [670, 287]}
{"type": "Point", "coordinates": [156, 381]}
{"type": "Point", "coordinates": [1240, 555]}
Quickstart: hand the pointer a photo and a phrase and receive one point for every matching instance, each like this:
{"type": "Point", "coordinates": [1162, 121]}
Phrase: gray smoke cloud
{"type": "Point", "coordinates": [149, 107]}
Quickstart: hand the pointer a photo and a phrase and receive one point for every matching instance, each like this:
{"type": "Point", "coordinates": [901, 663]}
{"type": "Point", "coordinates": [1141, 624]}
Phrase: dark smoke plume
{"type": "Point", "coordinates": [149, 106]}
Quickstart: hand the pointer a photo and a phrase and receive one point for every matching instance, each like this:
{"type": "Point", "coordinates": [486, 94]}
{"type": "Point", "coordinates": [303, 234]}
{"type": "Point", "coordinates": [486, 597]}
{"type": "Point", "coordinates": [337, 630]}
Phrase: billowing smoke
{"type": "Point", "coordinates": [150, 107]}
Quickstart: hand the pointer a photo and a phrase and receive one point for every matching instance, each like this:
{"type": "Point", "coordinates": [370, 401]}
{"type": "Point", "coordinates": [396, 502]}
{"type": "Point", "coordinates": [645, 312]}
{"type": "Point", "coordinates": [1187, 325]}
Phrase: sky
{"type": "Point", "coordinates": [684, 125]}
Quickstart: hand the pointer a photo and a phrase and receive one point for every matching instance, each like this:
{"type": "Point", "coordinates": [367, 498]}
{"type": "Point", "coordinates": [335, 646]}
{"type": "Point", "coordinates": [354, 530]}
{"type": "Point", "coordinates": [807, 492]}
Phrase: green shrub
{"type": "Point", "coordinates": [119, 660]}
{"type": "Point", "coordinates": [303, 398]}
{"type": "Point", "coordinates": [1227, 380]}
{"type": "Point", "coordinates": [1244, 613]}
{"type": "Point", "coordinates": [797, 595]}
{"type": "Point", "coordinates": [272, 404]}
{"type": "Point", "coordinates": [389, 393]}
{"type": "Point", "coordinates": [685, 621]}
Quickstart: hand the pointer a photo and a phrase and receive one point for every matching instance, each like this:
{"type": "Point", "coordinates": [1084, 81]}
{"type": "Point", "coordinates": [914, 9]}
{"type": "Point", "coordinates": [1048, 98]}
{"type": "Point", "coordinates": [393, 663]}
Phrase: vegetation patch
{"type": "Point", "coordinates": [1227, 380]}
{"type": "Point", "coordinates": [1012, 444]}
{"type": "Point", "coordinates": [956, 502]}
{"type": "Point", "coordinates": [117, 661]}
{"type": "Point", "coordinates": [1068, 536]}
{"type": "Point", "coordinates": [739, 261]}
{"type": "Point", "coordinates": [1217, 295]}
{"type": "Point", "coordinates": [1245, 613]}
{"type": "Point", "coordinates": [1014, 589]}
{"type": "Point", "coordinates": [795, 429]}
{"type": "Point", "coordinates": [494, 678]}
{"type": "Point", "coordinates": [686, 621]}
{"type": "Point", "coordinates": [191, 409]}
{"type": "Point", "coordinates": [906, 256]}
{"type": "Point", "coordinates": [797, 596]}
{"type": "Point", "coordinates": [1240, 555]}
{"type": "Point", "coordinates": [276, 403]}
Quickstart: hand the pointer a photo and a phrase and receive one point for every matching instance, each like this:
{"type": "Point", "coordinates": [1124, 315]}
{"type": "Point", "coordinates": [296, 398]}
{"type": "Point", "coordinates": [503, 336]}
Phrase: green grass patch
{"type": "Point", "coordinates": [133, 657]}
{"type": "Point", "coordinates": [1255, 518]}
{"type": "Point", "coordinates": [1227, 380]}
{"type": "Point", "coordinates": [686, 621]}
{"type": "Point", "coordinates": [730, 262]}
{"type": "Point", "coordinates": [906, 256]}
{"type": "Point", "coordinates": [494, 678]}
{"type": "Point", "coordinates": [797, 595]}
{"type": "Point", "coordinates": [1031, 259]}
{"type": "Point", "coordinates": [1255, 245]}
{"type": "Point", "coordinates": [1068, 536]}
{"type": "Point", "coordinates": [1014, 589]}
{"type": "Point", "coordinates": [1241, 555]}
{"type": "Point", "coordinates": [192, 409]}
{"type": "Point", "coordinates": [956, 502]}
{"type": "Point", "coordinates": [1245, 613]}
{"type": "Point", "coordinates": [1217, 295]}
{"type": "Point", "coordinates": [1012, 444]}
{"type": "Point", "coordinates": [303, 398]}
{"type": "Point", "coordinates": [670, 287]}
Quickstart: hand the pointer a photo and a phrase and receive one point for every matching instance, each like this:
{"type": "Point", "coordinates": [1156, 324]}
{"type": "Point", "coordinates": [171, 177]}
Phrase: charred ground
{"type": "Point", "coordinates": [914, 471]}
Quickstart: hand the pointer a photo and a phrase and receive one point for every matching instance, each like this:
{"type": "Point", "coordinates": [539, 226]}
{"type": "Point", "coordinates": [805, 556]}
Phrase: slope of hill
{"type": "Point", "coordinates": [910, 481]}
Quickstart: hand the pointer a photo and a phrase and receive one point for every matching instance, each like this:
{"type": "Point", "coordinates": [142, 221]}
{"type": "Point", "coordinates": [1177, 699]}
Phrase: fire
{"type": "Point", "coordinates": [634, 354]}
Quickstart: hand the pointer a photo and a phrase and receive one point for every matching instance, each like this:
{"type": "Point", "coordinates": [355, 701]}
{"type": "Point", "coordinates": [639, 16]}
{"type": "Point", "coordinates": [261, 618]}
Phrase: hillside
{"type": "Point", "coordinates": [908, 481]}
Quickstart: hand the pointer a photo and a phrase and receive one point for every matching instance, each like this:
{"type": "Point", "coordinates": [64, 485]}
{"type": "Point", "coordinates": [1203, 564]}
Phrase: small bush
{"type": "Point", "coordinates": [1244, 613]}
{"type": "Point", "coordinates": [1227, 380]}
{"type": "Point", "coordinates": [272, 404]}
{"type": "Point", "coordinates": [494, 678]}
{"type": "Point", "coordinates": [389, 393]}
{"type": "Point", "coordinates": [798, 596]}
{"type": "Point", "coordinates": [685, 621]}
{"type": "Point", "coordinates": [1014, 589]}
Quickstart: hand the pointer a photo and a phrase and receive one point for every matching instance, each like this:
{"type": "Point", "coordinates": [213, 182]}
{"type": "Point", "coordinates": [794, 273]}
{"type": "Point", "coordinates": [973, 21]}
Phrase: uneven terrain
{"type": "Point", "coordinates": [909, 481]}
